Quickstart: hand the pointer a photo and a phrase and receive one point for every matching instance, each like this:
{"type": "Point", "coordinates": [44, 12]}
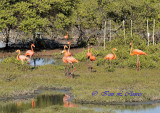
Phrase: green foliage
{"type": "Point", "coordinates": [9, 60]}
{"type": "Point", "coordinates": [81, 56]}
{"type": "Point", "coordinates": [17, 63]}
{"type": "Point", "coordinates": [124, 59]}
{"type": "Point", "coordinates": [93, 41]}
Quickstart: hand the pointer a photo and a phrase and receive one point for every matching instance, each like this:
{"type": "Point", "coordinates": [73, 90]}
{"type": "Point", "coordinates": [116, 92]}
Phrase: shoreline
{"type": "Point", "coordinates": [37, 91]}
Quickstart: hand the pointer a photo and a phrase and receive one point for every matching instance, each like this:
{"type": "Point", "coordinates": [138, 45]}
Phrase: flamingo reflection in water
{"type": "Point", "coordinates": [68, 103]}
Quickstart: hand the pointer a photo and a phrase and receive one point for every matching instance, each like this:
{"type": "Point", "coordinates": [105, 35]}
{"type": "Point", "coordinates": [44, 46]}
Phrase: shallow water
{"type": "Point", "coordinates": [2, 45]}
{"type": "Point", "coordinates": [43, 61]}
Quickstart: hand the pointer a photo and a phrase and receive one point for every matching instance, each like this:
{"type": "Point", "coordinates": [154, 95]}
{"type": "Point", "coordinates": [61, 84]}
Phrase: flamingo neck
{"type": "Point", "coordinates": [31, 48]}
{"type": "Point", "coordinates": [131, 52]}
{"type": "Point", "coordinates": [114, 54]}
{"type": "Point", "coordinates": [88, 49]}
{"type": "Point", "coordinates": [64, 48]}
{"type": "Point", "coordinates": [69, 48]}
{"type": "Point", "coordinates": [91, 51]}
{"type": "Point", "coordinates": [18, 55]}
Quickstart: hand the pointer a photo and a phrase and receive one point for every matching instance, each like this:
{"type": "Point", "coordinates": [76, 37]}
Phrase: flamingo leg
{"type": "Point", "coordinates": [110, 63]}
{"type": "Point", "coordinates": [65, 69]}
{"type": "Point", "coordinates": [139, 66]}
{"type": "Point", "coordinates": [72, 71]}
{"type": "Point", "coordinates": [91, 67]}
{"type": "Point", "coordinates": [137, 62]}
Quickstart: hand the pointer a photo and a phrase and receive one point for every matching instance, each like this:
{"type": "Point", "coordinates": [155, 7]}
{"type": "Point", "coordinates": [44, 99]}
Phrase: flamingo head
{"type": "Point", "coordinates": [131, 44]}
{"type": "Point", "coordinates": [18, 51]}
{"type": "Point", "coordinates": [33, 45]}
{"type": "Point", "coordinates": [63, 51]}
{"type": "Point", "coordinates": [88, 44]}
{"type": "Point", "coordinates": [65, 46]}
{"type": "Point", "coordinates": [115, 49]}
{"type": "Point", "coordinates": [91, 46]}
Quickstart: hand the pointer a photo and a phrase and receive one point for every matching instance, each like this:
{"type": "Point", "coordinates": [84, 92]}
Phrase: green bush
{"type": "Point", "coordinates": [124, 59]}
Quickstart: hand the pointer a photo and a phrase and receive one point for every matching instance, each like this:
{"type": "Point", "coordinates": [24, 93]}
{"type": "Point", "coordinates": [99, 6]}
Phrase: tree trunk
{"type": "Point", "coordinates": [7, 37]}
{"type": "Point", "coordinates": [34, 38]}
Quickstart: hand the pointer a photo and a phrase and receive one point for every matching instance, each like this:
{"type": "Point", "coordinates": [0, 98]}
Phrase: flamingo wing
{"type": "Point", "coordinates": [71, 59]}
{"type": "Point", "coordinates": [92, 58]}
{"type": "Point", "coordinates": [88, 54]}
{"type": "Point", "coordinates": [138, 52]}
{"type": "Point", "coordinates": [29, 52]}
{"type": "Point", "coordinates": [109, 56]}
{"type": "Point", "coordinates": [64, 59]}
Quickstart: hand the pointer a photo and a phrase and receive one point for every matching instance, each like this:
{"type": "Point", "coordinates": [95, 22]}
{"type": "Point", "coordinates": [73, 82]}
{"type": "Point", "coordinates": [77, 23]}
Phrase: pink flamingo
{"type": "Point", "coordinates": [22, 57]}
{"type": "Point", "coordinates": [64, 59]}
{"type": "Point", "coordinates": [30, 52]}
{"type": "Point", "coordinates": [88, 56]}
{"type": "Point", "coordinates": [66, 36]}
{"type": "Point", "coordinates": [111, 56]}
{"type": "Point", "coordinates": [88, 53]}
{"type": "Point", "coordinates": [70, 60]}
{"type": "Point", "coordinates": [137, 52]}
{"type": "Point", "coordinates": [92, 58]}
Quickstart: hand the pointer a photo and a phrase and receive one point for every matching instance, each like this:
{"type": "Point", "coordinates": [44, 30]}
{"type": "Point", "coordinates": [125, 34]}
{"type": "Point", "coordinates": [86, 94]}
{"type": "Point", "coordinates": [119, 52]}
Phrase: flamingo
{"type": "Point", "coordinates": [70, 60]}
{"type": "Point", "coordinates": [33, 103]}
{"type": "Point", "coordinates": [64, 59]}
{"type": "Point", "coordinates": [30, 52]}
{"type": "Point", "coordinates": [92, 57]}
{"type": "Point", "coordinates": [19, 103]}
{"type": "Point", "coordinates": [88, 54]}
{"type": "Point", "coordinates": [22, 57]}
{"type": "Point", "coordinates": [111, 56]}
{"type": "Point", "coordinates": [66, 36]}
{"type": "Point", "coordinates": [137, 52]}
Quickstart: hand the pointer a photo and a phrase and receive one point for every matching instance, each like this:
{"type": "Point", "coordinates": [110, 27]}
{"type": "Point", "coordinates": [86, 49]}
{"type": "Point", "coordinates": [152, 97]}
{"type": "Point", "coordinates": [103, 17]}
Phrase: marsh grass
{"type": "Point", "coordinates": [145, 81]}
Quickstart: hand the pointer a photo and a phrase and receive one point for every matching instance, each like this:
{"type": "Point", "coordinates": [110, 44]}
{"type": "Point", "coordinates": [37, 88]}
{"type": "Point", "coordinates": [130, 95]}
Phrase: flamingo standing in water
{"type": "Point", "coordinates": [137, 52]}
{"type": "Point", "coordinates": [66, 36]}
{"type": "Point", "coordinates": [22, 57]}
{"type": "Point", "coordinates": [70, 60]}
{"type": "Point", "coordinates": [111, 56]}
{"type": "Point", "coordinates": [92, 58]}
{"type": "Point", "coordinates": [30, 52]}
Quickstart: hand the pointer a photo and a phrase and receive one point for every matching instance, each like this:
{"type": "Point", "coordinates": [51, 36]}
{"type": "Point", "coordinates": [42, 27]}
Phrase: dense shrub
{"type": "Point", "coordinates": [124, 59]}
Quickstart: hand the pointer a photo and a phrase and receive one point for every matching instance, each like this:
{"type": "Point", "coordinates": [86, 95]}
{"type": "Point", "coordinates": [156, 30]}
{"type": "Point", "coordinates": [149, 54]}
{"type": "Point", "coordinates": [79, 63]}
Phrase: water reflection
{"type": "Point", "coordinates": [67, 101]}
{"type": "Point", "coordinates": [46, 100]}
{"type": "Point", "coordinates": [42, 61]}
{"type": "Point", "coordinates": [40, 101]}
{"type": "Point", "coordinates": [2, 44]}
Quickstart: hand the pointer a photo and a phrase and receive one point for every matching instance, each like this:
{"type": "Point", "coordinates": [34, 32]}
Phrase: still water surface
{"type": "Point", "coordinates": [50, 99]}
